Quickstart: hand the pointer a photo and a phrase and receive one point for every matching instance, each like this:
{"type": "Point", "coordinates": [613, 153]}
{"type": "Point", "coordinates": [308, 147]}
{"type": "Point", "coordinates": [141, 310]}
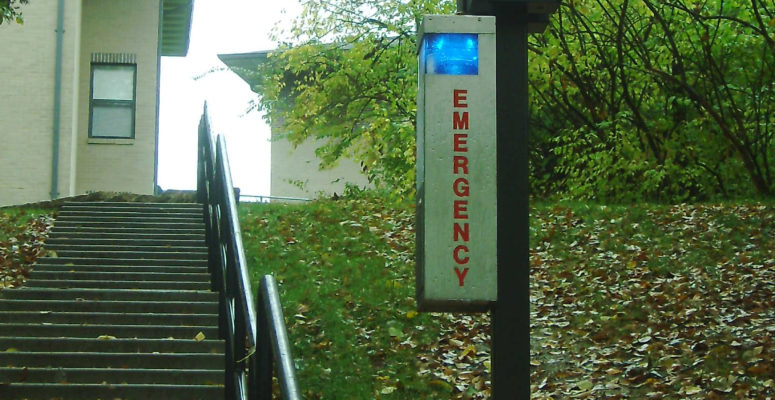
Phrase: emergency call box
{"type": "Point", "coordinates": [456, 164]}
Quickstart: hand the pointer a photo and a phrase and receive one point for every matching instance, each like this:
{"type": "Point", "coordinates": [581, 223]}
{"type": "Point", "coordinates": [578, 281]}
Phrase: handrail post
{"type": "Point", "coordinates": [201, 179]}
{"type": "Point", "coordinates": [263, 350]}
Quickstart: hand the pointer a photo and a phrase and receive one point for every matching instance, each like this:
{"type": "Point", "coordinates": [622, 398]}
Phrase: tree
{"type": "Point", "coordinates": [349, 77]}
{"type": "Point", "coordinates": [662, 100]}
{"type": "Point", "coordinates": [10, 11]}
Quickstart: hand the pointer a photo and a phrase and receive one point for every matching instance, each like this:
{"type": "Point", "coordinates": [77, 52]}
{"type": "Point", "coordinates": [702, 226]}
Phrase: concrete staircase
{"type": "Point", "coordinates": [120, 308]}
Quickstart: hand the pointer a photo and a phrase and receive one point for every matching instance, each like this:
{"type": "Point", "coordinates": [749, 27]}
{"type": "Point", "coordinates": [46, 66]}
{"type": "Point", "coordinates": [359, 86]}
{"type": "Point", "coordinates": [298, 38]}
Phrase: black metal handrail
{"type": "Point", "coordinates": [260, 198]}
{"type": "Point", "coordinates": [248, 375]}
{"type": "Point", "coordinates": [273, 344]}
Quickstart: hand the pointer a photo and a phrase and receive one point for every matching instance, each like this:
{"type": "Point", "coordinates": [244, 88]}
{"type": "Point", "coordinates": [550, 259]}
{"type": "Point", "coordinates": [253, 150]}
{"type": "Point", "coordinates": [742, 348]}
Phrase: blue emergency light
{"type": "Point", "coordinates": [451, 53]}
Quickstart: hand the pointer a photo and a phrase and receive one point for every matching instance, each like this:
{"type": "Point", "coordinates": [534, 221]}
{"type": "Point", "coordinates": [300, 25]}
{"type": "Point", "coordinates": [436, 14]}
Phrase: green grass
{"type": "Point", "coordinates": [347, 291]}
{"type": "Point", "coordinates": [641, 300]}
{"type": "Point", "coordinates": [14, 221]}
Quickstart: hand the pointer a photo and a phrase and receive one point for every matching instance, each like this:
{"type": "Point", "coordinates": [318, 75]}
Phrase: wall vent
{"type": "Point", "coordinates": [114, 58]}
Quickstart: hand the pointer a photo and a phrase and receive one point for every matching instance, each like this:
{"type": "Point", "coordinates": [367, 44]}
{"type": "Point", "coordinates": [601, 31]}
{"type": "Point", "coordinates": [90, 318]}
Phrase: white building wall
{"type": "Point", "coordinates": [291, 165]}
{"type": "Point", "coordinates": [27, 70]}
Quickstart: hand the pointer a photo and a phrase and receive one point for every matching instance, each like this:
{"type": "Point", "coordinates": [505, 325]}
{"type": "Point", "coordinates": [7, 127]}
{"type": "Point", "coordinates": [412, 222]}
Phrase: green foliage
{"type": "Point", "coordinates": [349, 78]}
{"type": "Point", "coordinates": [630, 100]}
{"type": "Point", "coordinates": [10, 11]}
{"type": "Point", "coordinates": [665, 101]}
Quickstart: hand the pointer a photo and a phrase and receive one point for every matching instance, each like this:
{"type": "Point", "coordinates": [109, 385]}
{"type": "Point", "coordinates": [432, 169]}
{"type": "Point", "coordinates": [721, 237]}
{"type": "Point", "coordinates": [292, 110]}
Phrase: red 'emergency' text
{"type": "Point", "coordinates": [460, 186]}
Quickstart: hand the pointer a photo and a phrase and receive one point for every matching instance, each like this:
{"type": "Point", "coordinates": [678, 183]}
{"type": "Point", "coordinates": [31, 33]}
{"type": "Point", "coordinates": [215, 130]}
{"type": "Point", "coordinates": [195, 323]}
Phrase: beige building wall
{"type": "Point", "coordinates": [301, 165]}
{"type": "Point", "coordinates": [27, 70]}
{"type": "Point", "coordinates": [119, 26]}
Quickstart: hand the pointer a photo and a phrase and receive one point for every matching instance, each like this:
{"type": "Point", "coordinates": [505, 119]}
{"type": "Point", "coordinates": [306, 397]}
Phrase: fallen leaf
{"type": "Point", "coordinates": [471, 349]}
{"type": "Point", "coordinates": [584, 385]}
{"type": "Point", "coordinates": [692, 390]}
{"type": "Point", "coordinates": [440, 384]}
{"type": "Point", "coordinates": [388, 390]}
{"type": "Point", "coordinates": [394, 331]}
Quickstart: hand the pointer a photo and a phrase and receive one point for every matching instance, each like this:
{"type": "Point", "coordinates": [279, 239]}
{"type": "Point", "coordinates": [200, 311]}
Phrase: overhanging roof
{"type": "Point", "coordinates": [241, 63]}
{"type": "Point", "coordinates": [176, 27]}
{"type": "Point", "coordinates": [246, 64]}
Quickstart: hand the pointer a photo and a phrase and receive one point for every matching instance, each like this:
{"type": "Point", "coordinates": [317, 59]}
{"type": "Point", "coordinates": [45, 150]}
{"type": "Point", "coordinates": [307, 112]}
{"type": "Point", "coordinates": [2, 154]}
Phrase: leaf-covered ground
{"type": "Point", "coordinates": [653, 302]}
{"type": "Point", "coordinates": [663, 302]}
{"type": "Point", "coordinates": [644, 301]}
{"type": "Point", "coordinates": [22, 232]}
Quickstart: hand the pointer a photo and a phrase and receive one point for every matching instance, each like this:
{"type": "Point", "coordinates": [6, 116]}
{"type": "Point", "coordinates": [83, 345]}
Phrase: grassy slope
{"type": "Point", "coordinates": [345, 273]}
{"type": "Point", "coordinates": [627, 302]}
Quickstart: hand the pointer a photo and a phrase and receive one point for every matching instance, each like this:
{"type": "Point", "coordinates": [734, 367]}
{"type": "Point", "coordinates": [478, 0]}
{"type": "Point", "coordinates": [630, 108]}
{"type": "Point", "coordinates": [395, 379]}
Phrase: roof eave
{"type": "Point", "coordinates": [241, 63]}
{"type": "Point", "coordinates": [176, 27]}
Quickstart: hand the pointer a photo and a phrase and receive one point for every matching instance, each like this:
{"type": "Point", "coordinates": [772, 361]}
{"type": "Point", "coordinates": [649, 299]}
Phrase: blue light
{"type": "Point", "coordinates": [451, 53]}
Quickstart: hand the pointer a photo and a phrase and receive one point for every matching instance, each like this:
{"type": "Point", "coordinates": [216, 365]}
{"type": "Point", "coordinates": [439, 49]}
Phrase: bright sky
{"type": "Point", "coordinates": [219, 26]}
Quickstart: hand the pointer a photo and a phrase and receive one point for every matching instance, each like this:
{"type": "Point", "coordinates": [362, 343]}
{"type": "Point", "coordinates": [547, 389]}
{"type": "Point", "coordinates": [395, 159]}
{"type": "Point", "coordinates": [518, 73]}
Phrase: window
{"type": "Point", "coordinates": [112, 103]}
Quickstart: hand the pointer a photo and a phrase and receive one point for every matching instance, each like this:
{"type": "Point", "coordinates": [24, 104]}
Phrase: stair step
{"type": "Point", "coordinates": [140, 218]}
{"type": "Point", "coordinates": [208, 377]}
{"type": "Point", "coordinates": [148, 226]}
{"type": "Point", "coordinates": [121, 234]}
{"type": "Point", "coordinates": [163, 254]}
{"type": "Point", "coordinates": [95, 331]}
{"type": "Point", "coordinates": [104, 318]}
{"type": "Point", "coordinates": [116, 284]}
{"type": "Point", "coordinates": [177, 307]}
{"type": "Point", "coordinates": [133, 274]}
{"type": "Point", "coordinates": [175, 272]}
{"type": "Point", "coordinates": [54, 344]}
{"type": "Point", "coordinates": [105, 205]}
{"type": "Point", "coordinates": [127, 241]}
{"type": "Point", "coordinates": [140, 233]}
{"type": "Point", "coordinates": [112, 360]}
{"type": "Point", "coordinates": [109, 294]}
{"type": "Point", "coordinates": [129, 212]}
{"type": "Point", "coordinates": [39, 274]}
{"type": "Point", "coordinates": [48, 391]}
{"type": "Point", "coordinates": [121, 249]}
{"type": "Point", "coordinates": [119, 261]}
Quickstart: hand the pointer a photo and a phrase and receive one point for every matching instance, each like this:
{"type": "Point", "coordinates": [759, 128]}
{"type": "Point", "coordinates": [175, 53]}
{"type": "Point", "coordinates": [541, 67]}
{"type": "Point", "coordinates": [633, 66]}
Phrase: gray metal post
{"type": "Point", "coordinates": [515, 19]}
{"type": "Point", "coordinates": [57, 100]}
{"type": "Point", "coordinates": [511, 313]}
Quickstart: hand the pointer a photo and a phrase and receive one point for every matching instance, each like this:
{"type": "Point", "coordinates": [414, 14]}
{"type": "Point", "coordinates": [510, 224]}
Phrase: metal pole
{"type": "Point", "coordinates": [511, 313]}
{"type": "Point", "coordinates": [263, 363]}
{"type": "Point", "coordinates": [57, 100]}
